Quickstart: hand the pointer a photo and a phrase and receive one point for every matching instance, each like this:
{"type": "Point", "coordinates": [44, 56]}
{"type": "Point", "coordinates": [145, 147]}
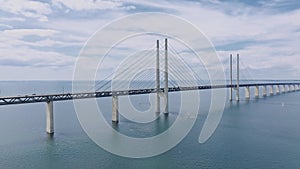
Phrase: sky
{"type": "Point", "coordinates": [40, 40]}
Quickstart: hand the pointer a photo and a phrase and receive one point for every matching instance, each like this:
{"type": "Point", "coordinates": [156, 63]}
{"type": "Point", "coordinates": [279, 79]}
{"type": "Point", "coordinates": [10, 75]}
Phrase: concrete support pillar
{"type": "Point", "coordinates": [231, 89]}
{"type": "Point", "coordinates": [49, 118]}
{"type": "Point", "coordinates": [157, 79]}
{"type": "Point", "coordinates": [264, 91]}
{"type": "Point", "coordinates": [277, 89]}
{"type": "Point", "coordinates": [238, 78]}
{"type": "Point", "coordinates": [282, 88]}
{"type": "Point", "coordinates": [115, 109]}
{"type": "Point", "coordinates": [294, 88]}
{"type": "Point", "coordinates": [247, 92]}
{"type": "Point", "coordinates": [271, 90]}
{"type": "Point", "coordinates": [166, 87]}
{"type": "Point", "coordinates": [256, 91]}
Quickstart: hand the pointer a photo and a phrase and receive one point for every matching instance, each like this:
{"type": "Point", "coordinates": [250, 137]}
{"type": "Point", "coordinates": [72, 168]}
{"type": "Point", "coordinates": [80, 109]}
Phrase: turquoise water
{"type": "Point", "coordinates": [261, 133]}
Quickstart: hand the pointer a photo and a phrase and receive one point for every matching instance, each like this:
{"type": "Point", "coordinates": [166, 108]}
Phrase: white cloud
{"type": "Point", "coordinates": [25, 32]}
{"type": "Point", "coordinates": [90, 4]}
{"type": "Point", "coordinates": [14, 38]}
{"type": "Point", "coordinates": [47, 38]}
{"type": "Point", "coordinates": [160, 4]}
{"type": "Point", "coordinates": [34, 58]}
{"type": "Point", "coordinates": [274, 38]}
{"type": "Point", "coordinates": [35, 73]}
{"type": "Point", "coordinates": [5, 19]}
{"type": "Point", "coordinates": [27, 8]}
{"type": "Point", "coordinates": [15, 51]}
{"type": "Point", "coordinates": [5, 26]}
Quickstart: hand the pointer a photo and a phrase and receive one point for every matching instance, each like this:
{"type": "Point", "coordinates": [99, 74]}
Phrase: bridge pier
{"type": "Point", "coordinates": [282, 88]}
{"type": "Point", "coordinates": [294, 88]}
{"type": "Point", "coordinates": [49, 118]}
{"type": "Point", "coordinates": [271, 90]}
{"type": "Point", "coordinates": [247, 92]}
{"type": "Point", "coordinates": [256, 91]}
{"type": "Point", "coordinates": [264, 91]}
{"type": "Point", "coordinates": [291, 88]}
{"type": "Point", "coordinates": [277, 89]}
{"type": "Point", "coordinates": [115, 109]}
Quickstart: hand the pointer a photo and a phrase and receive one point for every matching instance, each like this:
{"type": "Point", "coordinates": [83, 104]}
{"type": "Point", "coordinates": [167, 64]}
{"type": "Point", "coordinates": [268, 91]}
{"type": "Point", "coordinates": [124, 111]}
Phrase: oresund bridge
{"type": "Point", "coordinates": [160, 85]}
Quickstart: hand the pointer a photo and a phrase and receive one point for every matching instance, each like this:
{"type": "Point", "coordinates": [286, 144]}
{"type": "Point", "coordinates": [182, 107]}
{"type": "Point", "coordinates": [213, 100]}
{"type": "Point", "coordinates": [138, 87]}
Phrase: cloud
{"type": "Point", "coordinates": [35, 38]}
{"type": "Point", "coordinates": [5, 19]}
{"type": "Point", "coordinates": [26, 32]}
{"type": "Point", "coordinates": [265, 33]}
{"type": "Point", "coordinates": [15, 38]}
{"type": "Point", "coordinates": [34, 58]}
{"type": "Point", "coordinates": [5, 26]}
{"type": "Point", "coordinates": [18, 52]}
{"type": "Point", "coordinates": [27, 8]}
{"type": "Point", "coordinates": [90, 4]}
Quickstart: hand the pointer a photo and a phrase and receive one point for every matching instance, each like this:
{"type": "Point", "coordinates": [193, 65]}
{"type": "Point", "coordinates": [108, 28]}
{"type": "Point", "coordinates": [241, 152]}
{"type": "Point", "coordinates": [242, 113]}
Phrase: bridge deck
{"type": "Point", "coordinates": [7, 100]}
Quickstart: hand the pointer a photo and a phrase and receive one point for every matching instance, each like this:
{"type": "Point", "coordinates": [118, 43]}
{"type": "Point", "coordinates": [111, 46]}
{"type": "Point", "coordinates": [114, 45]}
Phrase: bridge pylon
{"type": "Point", "coordinates": [231, 88]}
{"type": "Point", "coordinates": [157, 79]}
{"type": "Point", "coordinates": [166, 85]}
{"type": "Point", "coordinates": [238, 78]}
{"type": "Point", "coordinates": [237, 88]}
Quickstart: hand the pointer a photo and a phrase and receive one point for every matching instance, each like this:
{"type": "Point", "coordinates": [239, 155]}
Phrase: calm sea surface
{"type": "Point", "coordinates": [261, 133]}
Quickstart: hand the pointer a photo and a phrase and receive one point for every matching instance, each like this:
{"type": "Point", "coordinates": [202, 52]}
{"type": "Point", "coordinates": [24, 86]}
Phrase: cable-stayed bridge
{"type": "Point", "coordinates": [166, 71]}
